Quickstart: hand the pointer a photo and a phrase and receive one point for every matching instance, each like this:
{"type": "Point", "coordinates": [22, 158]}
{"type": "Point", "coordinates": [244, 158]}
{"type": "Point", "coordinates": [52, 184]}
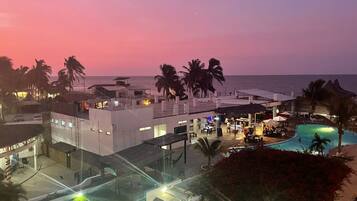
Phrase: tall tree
{"type": "Point", "coordinates": [193, 76]}
{"type": "Point", "coordinates": [169, 82]}
{"type": "Point", "coordinates": [21, 81]}
{"type": "Point", "coordinates": [200, 80]}
{"type": "Point", "coordinates": [62, 84]}
{"type": "Point", "coordinates": [39, 77]}
{"type": "Point", "coordinates": [315, 93]}
{"type": "Point", "coordinates": [6, 75]}
{"type": "Point", "coordinates": [210, 150]}
{"type": "Point", "coordinates": [75, 70]}
{"type": "Point", "coordinates": [11, 192]}
{"type": "Point", "coordinates": [343, 109]}
{"type": "Point", "coordinates": [318, 144]}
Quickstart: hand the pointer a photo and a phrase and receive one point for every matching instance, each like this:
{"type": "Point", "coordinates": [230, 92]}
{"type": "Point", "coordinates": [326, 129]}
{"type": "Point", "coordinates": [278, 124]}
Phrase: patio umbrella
{"type": "Point", "coordinates": [285, 113]}
{"type": "Point", "coordinates": [270, 122]}
{"type": "Point", "coordinates": [279, 118]}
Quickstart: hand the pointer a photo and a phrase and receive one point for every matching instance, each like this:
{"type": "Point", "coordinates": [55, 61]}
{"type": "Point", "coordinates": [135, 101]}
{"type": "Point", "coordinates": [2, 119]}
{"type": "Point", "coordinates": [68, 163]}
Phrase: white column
{"type": "Point", "coordinates": [250, 119]}
{"type": "Point", "coordinates": [35, 155]}
{"type": "Point", "coordinates": [274, 111]}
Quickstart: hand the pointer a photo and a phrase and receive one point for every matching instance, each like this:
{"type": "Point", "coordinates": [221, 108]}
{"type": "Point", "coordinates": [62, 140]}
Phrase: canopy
{"type": "Point", "coordinates": [270, 122]}
{"type": "Point", "coordinates": [279, 118]}
{"type": "Point", "coordinates": [285, 113]}
{"type": "Point", "coordinates": [241, 109]}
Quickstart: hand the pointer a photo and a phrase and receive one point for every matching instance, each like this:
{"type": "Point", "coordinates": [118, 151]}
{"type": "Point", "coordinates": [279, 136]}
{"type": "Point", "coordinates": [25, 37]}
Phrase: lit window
{"type": "Point", "coordinates": [70, 124]}
{"type": "Point", "coordinates": [63, 123]}
{"type": "Point", "coordinates": [116, 103]}
{"type": "Point", "coordinates": [182, 122]}
{"type": "Point", "coordinates": [145, 128]}
{"type": "Point", "coordinates": [107, 133]}
{"type": "Point", "coordinates": [52, 120]}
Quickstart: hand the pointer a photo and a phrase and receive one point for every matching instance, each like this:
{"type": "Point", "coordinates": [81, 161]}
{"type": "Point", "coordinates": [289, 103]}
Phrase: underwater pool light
{"type": "Point", "coordinates": [326, 129]}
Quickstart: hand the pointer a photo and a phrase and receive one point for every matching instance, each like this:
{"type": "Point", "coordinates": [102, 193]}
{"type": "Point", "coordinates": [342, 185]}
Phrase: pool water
{"type": "Point", "coordinates": [305, 134]}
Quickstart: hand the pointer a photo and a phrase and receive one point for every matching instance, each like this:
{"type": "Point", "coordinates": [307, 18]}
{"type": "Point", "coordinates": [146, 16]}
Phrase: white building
{"type": "Point", "coordinates": [117, 127]}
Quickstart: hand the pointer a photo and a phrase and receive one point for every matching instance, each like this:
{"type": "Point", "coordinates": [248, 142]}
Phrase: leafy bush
{"type": "Point", "coordinates": [267, 175]}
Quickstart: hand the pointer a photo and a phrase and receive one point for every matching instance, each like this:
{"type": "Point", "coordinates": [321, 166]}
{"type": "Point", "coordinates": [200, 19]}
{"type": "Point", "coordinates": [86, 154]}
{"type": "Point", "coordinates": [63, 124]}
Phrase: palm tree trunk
{"type": "Point", "coordinates": [340, 133]}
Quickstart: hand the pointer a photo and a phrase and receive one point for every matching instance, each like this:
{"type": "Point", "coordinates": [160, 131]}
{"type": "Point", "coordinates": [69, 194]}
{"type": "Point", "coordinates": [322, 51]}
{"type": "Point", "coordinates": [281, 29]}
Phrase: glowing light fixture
{"type": "Point", "coordinates": [107, 133]}
{"type": "Point", "coordinates": [164, 189]}
{"type": "Point", "coordinates": [146, 102]}
{"type": "Point", "coordinates": [326, 129]}
{"type": "Point", "coordinates": [182, 122]}
{"type": "Point", "coordinates": [145, 128]}
{"type": "Point", "coordinates": [79, 196]}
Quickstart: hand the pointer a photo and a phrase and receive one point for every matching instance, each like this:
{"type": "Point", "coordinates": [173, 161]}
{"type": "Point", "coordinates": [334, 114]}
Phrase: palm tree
{"type": "Point", "coordinates": [39, 77]}
{"type": "Point", "coordinates": [11, 192]}
{"type": "Point", "coordinates": [21, 81]}
{"type": "Point", "coordinates": [193, 76]}
{"type": "Point", "coordinates": [315, 93]}
{"type": "Point", "coordinates": [215, 70]}
{"type": "Point", "coordinates": [198, 79]}
{"type": "Point", "coordinates": [6, 72]}
{"type": "Point", "coordinates": [210, 150]}
{"type": "Point", "coordinates": [318, 144]}
{"type": "Point", "coordinates": [6, 88]}
{"type": "Point", "coordinates": [343, 109]}
{"type": "Point", "coordinates": [75, 70]}
{"type": "Point", "coordinates": [168, 82]}
{"type": "Point", "coordinates": [62, 82]}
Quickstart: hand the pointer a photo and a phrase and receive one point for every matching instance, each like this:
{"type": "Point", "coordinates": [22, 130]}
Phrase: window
{"type": "Point", "coordinates": [56, 121]}
{"type": "Point", "coordinates": [63, 123]}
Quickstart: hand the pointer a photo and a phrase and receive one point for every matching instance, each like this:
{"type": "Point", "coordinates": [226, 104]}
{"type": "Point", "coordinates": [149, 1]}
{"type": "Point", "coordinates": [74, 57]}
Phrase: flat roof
{"type": "Point", "coordinates": [266, 94]}
{"type": "Point", "coordinates": [241, 109]}
{"type": "Point", "coordinates": [121, 78]}
{"type": "Point", "coordinates": [13, 134]}
{"type": "Point", "coordinates": [139, 155]}
{"type": "Point", "coordinates": [167, 139]}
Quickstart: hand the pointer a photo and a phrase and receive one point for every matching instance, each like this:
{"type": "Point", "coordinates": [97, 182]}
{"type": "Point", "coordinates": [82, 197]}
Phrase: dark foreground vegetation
{"type": "Point", "coordinates": [267, 175]}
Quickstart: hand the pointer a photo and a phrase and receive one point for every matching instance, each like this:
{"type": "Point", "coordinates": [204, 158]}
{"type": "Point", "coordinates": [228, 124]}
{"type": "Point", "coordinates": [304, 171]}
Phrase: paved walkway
{"type": "Point", "coordinates": [51, 177]}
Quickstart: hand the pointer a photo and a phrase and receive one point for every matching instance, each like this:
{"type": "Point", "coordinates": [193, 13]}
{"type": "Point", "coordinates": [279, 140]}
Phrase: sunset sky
{"type": "Point", "coordinates": [132, 37]}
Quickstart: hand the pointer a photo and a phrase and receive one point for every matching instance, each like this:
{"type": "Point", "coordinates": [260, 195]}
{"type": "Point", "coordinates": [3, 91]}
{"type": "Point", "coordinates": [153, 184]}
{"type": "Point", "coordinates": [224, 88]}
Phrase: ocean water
{"type": "Point", "coordinates": [277, 83]}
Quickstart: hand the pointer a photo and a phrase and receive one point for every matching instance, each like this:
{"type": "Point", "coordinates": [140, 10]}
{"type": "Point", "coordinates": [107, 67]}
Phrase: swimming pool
{"type": "Point", "coordinates": [305, 134]}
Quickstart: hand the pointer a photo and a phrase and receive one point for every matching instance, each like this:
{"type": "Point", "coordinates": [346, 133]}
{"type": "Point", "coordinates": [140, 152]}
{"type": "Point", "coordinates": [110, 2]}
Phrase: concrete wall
{"type": "Point", "coordinates": [94, 135]}
{"type": "Point", "coordinates": [127, 124]}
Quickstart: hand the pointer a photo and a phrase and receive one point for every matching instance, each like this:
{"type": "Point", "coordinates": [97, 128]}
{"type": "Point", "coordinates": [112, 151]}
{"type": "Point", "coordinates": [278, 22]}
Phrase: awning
{"type": "Point", "coordinates": [167, 139]}
{"type": "Point", "coordinates": [139, 155]}
{"type": "Point", "coordinates": [241, 109]}
{"type": "Point", "coordinates": [13, 134]}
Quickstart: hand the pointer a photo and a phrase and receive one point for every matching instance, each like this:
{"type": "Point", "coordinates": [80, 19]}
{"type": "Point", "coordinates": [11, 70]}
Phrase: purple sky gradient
{"type": "Point", "coordinates": [132, 37]}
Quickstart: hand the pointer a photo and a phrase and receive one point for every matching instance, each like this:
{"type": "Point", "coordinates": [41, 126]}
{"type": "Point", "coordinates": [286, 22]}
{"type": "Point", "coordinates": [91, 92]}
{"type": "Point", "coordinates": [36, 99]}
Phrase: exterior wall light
{"type": "Point", "coordinates": [145, 128]}
{"type": "Point", "coordinates": [182, 122]}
